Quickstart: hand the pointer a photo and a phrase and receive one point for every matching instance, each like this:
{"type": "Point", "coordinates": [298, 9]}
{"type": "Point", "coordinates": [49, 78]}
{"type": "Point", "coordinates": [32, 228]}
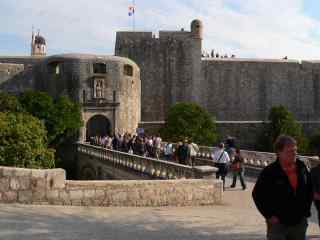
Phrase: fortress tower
{"type": "Point", "coordinates": [38, 45]}
{"type": "Point", "coordinates": [170, 67]}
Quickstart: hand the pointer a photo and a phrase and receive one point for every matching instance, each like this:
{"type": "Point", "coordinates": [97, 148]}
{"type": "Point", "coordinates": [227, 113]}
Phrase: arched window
{"type": "Point", "coordinates": [99, 68]}
{"type": "Point", "coordinates": [128, 70]}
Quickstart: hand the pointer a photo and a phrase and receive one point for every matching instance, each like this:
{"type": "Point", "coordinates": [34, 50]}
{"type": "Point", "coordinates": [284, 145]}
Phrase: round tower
{"type": "Point", "coordinates": [197, 28]}
{"type": "Point", "coordinates": [38, 45]}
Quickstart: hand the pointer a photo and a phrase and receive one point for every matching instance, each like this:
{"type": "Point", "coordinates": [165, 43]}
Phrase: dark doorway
{"type": "Point", "coordinates": [98, 125]}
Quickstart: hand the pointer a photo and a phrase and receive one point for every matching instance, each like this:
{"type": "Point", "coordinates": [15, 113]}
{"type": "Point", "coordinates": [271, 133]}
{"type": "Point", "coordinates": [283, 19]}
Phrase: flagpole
{"type": "Point", "coordinates": [134, 13]}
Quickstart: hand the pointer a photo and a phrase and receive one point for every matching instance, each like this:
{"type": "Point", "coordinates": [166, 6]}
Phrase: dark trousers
{"type": "Point", "coordinates": [317, 205]}
{"type": "Point", "coordinates": [283, 232]}
{"type": "Point", "coordinates": [241, 176]}
{"type": "Point", "coordinates": [222, 172]}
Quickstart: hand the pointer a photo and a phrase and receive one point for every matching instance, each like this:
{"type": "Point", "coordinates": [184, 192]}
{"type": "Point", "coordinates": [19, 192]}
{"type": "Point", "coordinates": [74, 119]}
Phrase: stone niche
{"type": "Point", "coordinates": [98, 87]}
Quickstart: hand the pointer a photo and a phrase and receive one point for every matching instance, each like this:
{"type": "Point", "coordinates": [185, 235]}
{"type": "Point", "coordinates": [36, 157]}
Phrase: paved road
{"type": "Point", "coordinates": [237, 219]}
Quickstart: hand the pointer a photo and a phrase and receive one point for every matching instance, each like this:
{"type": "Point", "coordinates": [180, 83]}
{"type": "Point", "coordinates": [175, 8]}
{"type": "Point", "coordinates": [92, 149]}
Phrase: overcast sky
{"type": "Point", "coordinates": [247, 28]}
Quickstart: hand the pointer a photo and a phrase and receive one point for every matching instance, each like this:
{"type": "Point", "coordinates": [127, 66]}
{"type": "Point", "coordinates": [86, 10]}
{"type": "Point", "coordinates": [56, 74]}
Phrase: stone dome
{"type": "Point", "coordinates": [39, 40]}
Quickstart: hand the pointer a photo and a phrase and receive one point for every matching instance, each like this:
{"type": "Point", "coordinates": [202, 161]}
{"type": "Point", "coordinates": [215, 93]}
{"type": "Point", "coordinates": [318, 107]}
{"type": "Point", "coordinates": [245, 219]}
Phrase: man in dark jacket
{"type": "Point", "coordinates": [283, 193]}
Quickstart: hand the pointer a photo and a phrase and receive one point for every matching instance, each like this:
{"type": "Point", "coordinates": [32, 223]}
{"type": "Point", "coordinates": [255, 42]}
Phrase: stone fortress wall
{"type": "Point", "coordinates": [16, 74]}
{"type": "Point", "coordinates": [234, 89]}
{"type": "Point", "coordinates": [170, 67]}
{"type": "Point", "coordinates": [32, 186]}
{"type": "Point", "coordinates": [107, 86]}
{"type": "Point", "coordinates": [246, 89]}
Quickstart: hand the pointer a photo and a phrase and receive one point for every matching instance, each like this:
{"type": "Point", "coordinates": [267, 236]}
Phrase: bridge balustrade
{"type": "Point", "coordinates": [154, 167]}
{"type": "Point", "coordinates": [251, 158]}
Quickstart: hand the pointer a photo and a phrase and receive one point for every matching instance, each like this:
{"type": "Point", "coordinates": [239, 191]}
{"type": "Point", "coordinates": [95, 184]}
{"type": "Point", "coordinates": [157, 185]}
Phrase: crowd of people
{"type": "Point", "coordinates": [150, 146]}
{"type": "Point", "coordinates": [147, 146]}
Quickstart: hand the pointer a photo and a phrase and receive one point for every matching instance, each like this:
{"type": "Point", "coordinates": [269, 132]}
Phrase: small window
{"type": "Point", "coordinates": [84, 96]}
{"type": "Point", "coordinates": [128, 70]}
{"type": "Point", "coordinates": [99, 68]}
{"type": "Point", "coordinates": [54, 68]}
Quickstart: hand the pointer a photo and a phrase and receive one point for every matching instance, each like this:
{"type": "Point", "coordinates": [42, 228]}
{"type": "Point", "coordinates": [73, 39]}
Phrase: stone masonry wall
{"type": "Point", "coordinates": [50, 187]}
{"type": "Point", "coordinates": [170, 68]}
{"type": "Point", "coordinates": [246, 89]}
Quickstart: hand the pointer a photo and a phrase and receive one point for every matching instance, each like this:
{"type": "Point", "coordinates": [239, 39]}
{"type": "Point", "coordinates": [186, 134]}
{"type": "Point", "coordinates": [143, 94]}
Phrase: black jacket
{"type": "Point", "coordinates": [274, 196]}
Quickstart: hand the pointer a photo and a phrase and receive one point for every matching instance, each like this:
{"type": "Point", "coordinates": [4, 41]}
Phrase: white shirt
{"type": "Point", "coordinates": [168, 149]}
{"type": "Point", "coordinates": [224, 157]}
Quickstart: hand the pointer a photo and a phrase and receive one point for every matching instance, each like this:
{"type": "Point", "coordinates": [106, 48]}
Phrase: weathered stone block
{"type": "Point", "coordinates": [22, 172]}
{"type": "Point", "coordinates": [4, 184]}
{"type": "Point", "coordinates": [89, 194]}
{"type": "Point", "coordinates": [14, 183]}
{"type": "Point", "coordinates": [24, 183]}
{"type": "Point", "coordinates": [118, 197]}
{"type": "Point", "coordinates": [37, 173]}
{"type": "Point", "coordinates": [100, 194]}
{"type": "Point", "coordinates": [53, 195]}
{"type": "Point", "coordinates": [38, 184]}
{"type": "Point", "coordinates": [76, 194]}
{"type": "Point", "coordinates": [8, 171]}
{"type": "Point", "coordinates": [38, 195]}
{"type": "Point", "coordinates": [56, 179]}
{"type": "Point", "coordinates": [25, 196]}
{"type": "Point", "coordinates": [10, 196]}
{"type": "Point", "coordinates": [63, 195]}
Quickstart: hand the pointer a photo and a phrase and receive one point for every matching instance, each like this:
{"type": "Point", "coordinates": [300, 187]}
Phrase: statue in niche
{"type": "Point", "coordinates": [98, 88]}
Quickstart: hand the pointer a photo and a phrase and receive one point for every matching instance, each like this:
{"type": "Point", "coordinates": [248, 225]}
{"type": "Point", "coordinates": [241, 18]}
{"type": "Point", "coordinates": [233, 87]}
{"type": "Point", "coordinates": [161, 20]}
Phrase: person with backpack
{"type": "Point", "coordinates": [238, 170]}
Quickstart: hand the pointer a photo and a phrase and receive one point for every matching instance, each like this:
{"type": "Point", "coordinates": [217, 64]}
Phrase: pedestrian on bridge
{"type": "Point", "coordinates": [238, 170]}
{"type": "Point", "coordinates": [221, 160]}
{"type": "Point", "coordinates": [283, 193]}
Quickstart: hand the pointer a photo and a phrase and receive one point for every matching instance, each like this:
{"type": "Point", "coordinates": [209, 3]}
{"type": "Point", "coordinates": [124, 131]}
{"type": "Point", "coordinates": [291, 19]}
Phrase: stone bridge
{"type": "Point", "coordinates": [97, 163]}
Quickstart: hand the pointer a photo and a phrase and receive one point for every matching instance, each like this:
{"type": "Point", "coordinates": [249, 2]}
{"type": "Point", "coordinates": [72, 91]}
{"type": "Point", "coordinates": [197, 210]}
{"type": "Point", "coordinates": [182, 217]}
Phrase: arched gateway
{"type": "Point", "coordinates": [98, 125]}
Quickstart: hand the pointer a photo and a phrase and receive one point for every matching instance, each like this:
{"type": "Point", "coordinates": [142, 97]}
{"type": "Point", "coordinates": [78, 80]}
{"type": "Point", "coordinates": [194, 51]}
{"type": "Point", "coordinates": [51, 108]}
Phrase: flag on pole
{"type": "Point", "coordinates": [131, 11]}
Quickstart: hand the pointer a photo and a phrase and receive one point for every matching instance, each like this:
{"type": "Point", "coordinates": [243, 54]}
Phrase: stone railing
{"type": "Point", "coordinates": [18, 185]}
{"type": "Point", "coordinates": [158, 169]}
{"type": "Point", "coordinates": [256, 159]}
{"type": "Point", "coordinates": [251, 158]}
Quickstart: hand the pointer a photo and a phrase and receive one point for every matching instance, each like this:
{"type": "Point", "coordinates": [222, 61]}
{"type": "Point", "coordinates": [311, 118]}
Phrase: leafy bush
{"type": "Point", "coordinates": [9, 103]}
{"type": "Point", "coordinates": [191, 121]}
{"type": "Point", "coordinates": [23, 141]}
{"type": "Point", "coordinates": [282, 122]}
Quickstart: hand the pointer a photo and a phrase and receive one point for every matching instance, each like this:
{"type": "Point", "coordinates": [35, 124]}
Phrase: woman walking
{"type": "Point", "coordinates": [238, 170]}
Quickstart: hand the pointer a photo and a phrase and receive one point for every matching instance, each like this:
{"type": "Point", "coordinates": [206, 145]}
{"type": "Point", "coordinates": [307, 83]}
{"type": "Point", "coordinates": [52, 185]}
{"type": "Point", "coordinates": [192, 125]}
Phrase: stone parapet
{"type": "Point", "coordinates": [28, 186]}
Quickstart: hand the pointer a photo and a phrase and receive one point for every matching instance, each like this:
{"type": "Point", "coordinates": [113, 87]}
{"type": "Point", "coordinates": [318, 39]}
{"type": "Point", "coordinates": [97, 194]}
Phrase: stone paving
{"type": "Point", "coordinates": [237, 219]}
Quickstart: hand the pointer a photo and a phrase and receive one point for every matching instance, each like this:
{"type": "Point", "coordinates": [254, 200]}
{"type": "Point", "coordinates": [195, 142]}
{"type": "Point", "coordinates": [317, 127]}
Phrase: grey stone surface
{"type": "Point", "coordinates": [235, 219]}
{"type": "Point", "coordinates": [105, 193]}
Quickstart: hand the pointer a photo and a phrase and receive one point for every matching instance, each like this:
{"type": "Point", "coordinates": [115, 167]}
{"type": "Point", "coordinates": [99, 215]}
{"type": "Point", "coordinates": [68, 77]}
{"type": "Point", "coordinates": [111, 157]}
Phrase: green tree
{"type": "Point", "coordinates": [191, 121]}
{"type": "Point", "coordinates": [39, 104]}
{"type": "Point", "coordinates": [62, 117]}
{"type": "Point", "coordinates": [23, 142]}
{"type": "Point", "coordinates": [66, 120]}
{"type": "Point", "coordinates": [282, 121]}
{"type": "Point", "coordinates": [9, 103]}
